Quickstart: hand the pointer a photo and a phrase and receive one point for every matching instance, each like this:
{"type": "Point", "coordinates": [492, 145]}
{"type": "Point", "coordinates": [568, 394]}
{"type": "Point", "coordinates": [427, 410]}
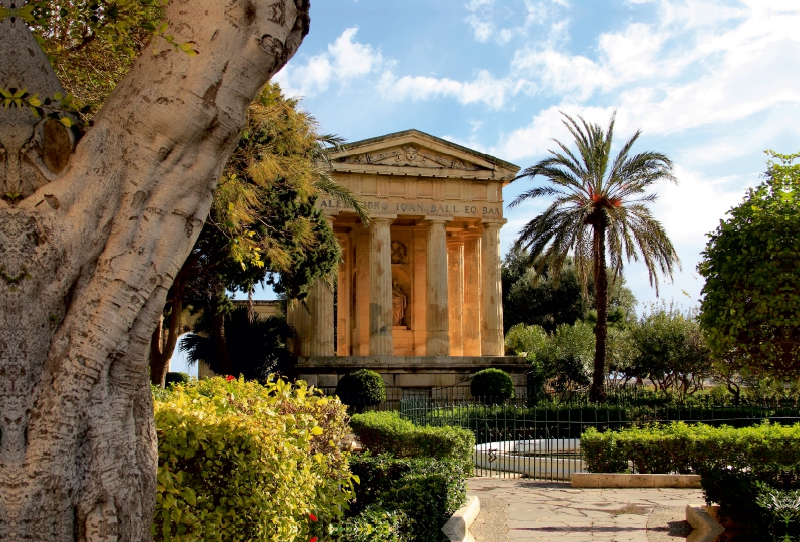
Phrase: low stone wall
{"type": "Point", "coordinates": [599, 480]}
{"type": "Point", "coordinates": [420, 372]}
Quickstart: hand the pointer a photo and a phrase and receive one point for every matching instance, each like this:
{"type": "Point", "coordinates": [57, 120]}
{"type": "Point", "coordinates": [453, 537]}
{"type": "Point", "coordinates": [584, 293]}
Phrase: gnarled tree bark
{"type": "Point", "coordinates": [89, 244]}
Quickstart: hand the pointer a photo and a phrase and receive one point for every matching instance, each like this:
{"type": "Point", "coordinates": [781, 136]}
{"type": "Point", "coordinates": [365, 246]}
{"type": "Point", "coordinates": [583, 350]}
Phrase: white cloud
{"type": "Point", "coordinates": [344, 61]}
{"type": "Point", "coordinates": [484, 88]}
{"type": "Point", "coordinates": [507, 20]}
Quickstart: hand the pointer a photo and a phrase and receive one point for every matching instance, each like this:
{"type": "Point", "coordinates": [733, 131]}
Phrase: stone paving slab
{"type": "Point", "coordinates": [541, 511]}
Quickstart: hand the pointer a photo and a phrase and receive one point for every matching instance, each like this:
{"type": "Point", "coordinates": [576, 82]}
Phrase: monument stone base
{"type": "Point", "coordinates": [413, 373]}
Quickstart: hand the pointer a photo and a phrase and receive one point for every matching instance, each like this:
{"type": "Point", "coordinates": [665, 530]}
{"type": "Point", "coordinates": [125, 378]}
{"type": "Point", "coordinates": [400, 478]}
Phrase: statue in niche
{"type": "Point", "coordinates": [399, 304]}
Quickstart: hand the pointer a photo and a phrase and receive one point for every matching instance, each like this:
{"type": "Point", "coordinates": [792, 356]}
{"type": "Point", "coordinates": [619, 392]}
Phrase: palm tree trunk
{"type": "Point", "coordinates": [221, 343]}
{"type": "Point", "coordinates": [598, 392]}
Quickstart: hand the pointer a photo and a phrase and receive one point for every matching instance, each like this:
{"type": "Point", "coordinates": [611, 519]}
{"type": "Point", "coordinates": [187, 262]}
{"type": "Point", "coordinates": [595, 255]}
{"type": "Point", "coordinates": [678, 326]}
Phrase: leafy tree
{"type": "Point", "coordinates": [751, 299]}
{"type": "Point", "coordinates": [535, 298]}
{"type": "Point", "coordinates": [566, 358]}
{"type": "Point", "coordinates": [522, 340]}
{"type": "Point", "coordinates": [94, 227]}
{"type": "Point", "coordinates": [263, 226]}
{"type": "Point", "coordinates": [255, 348]}
{"type": "Point", "coordinates": [670, 350]}
{"type": "Point", "coordinates": [599, 215]}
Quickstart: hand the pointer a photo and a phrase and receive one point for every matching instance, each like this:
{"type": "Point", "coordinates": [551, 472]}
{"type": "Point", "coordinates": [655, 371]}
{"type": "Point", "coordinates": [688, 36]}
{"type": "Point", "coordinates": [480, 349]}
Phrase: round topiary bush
{"type": "Point", "coordinates": [361, 388]}
{"type": "Point", "coordinates": [176, 378]}
{"type": "Point", "coordinates": [492, 386]}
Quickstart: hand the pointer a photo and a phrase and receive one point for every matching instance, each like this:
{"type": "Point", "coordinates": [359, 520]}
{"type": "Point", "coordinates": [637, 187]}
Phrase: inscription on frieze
{"type": "Point", "coordinates": [420, 207]}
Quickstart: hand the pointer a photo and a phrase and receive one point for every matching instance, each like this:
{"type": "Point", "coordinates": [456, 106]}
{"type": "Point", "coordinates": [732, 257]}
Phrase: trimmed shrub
{"type": "Point", "coordinates": [682, 448]}
{"type": "Point", "coordinates": [389, 433]}
{"type": "Point", "coordinates": [361, 388]}
{"type": "Point", "coordinates": [176, 378]}
{"type": "Point", "coordinates": [242, 461]}
{"type": "Point", "coordinates": [372, 524]}
{"type": "Point", "coordinates": [492, 386]}
{"type": "Point", "coordinates": [427, 491]}
{"type": "Point", "coordinates": [503, 422]}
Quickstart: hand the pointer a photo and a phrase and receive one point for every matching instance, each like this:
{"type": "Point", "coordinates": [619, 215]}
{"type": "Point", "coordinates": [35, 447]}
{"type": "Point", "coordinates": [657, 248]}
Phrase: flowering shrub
{"type": "Point", "coordinates": [242, 461]}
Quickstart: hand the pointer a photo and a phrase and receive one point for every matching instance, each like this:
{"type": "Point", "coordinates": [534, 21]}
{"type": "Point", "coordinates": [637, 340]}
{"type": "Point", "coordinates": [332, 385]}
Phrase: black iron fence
{"type": "Point", "coordinates": [543, 442]}
{"type": "Point", "coordinates": [450, 395]}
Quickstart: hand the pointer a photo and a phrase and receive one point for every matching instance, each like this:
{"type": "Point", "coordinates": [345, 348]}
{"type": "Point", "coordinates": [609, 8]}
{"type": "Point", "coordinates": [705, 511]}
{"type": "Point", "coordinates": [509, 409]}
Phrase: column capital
{"type": "Point", "coordinates": [438, 219]}
{"type": "Point", "coordinates": [383, 219]}
{"type": "Point", "coordinates": [493, 224]}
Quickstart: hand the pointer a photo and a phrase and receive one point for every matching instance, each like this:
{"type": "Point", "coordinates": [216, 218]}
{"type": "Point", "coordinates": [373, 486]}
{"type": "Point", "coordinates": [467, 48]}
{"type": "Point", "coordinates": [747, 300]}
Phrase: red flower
{"type": "Point", "coordinates": [312, 517]}
{"type": "Point", "coordinates": [230, 377]}
{"type": "Point", "coordinates": [313, 539]}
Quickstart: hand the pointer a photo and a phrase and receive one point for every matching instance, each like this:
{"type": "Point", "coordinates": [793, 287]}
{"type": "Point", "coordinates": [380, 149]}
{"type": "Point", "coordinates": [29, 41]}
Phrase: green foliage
{"type": "Point", "coordinates": [567, 358]}
{"type": "Point", "coordinates": [764, 501]}
{"type": "Point", "coordinates": [669, 349]}
{"type": "Point", "coordinates": [427, 491]}
{"type": "Point", "coordinates": [751, 299]}
{"type": "Point", "coordinates": [388, 433]}
{"type": "Point", "coordinates": [256, 348]}
{"type": "Point", "coordinates": [176, 378]}
{"type": "Point", "coordinates": [264, 225]}
{"type": "Point", "coordinates": [524, 340]}
{"type": "Point", "coordinates": [242, 461]}
{"type": "Point", "coordinates": [418, 470]}
{"type": "Point", "coordinates": [372, 524]}
{"type": "Point", "coordinates": [683, 448]}
{"type": "Point", "coordinates": [492, 386]}
{"type": "Point", "coordinates": [361, 388]}
{"type": "Point", "coordinates": [535, 299]}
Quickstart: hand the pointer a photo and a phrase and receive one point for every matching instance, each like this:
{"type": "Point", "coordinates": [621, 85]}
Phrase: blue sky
{"type": "Point", "coordinates": [710, 83]}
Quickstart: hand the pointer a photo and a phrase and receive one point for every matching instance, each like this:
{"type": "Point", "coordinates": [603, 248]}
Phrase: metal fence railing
{"type": "Point", "coordinates": [450, 395]}
{"type": "Point", "coordinates": [544, 442]}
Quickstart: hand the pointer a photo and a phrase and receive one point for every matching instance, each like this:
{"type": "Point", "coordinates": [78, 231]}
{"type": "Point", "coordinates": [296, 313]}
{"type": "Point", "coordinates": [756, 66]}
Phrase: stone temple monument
{"type": "Point", "coordinates": [418, 296]}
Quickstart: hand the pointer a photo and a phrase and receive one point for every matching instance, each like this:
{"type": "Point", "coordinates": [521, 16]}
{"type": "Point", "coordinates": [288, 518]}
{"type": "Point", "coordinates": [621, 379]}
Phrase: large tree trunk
{"type": "Point", "coordinates": [598, 390]}
{"type": "Point", "coordinates": [88, 252]}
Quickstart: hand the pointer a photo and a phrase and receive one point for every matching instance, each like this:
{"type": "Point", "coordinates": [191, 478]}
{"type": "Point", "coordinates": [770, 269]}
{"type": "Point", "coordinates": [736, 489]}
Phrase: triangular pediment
{"type": "Point", "coordinates": [411, 155]}
{"type": "Point", "coordinates": [416, 153]}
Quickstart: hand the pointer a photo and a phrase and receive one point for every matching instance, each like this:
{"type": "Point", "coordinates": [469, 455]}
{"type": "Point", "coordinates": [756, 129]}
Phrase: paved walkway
{"type": "Point", "coordinates": [520, 509]}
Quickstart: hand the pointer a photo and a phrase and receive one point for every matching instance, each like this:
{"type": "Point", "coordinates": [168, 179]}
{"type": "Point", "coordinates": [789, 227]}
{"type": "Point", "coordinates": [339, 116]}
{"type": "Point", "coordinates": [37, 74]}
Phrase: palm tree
{"type": "Point", "coordinates": [600, 211]}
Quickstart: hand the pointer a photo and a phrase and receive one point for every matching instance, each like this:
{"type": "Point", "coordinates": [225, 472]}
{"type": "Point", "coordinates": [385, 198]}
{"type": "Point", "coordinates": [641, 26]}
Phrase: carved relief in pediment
{"type": "Point", "coordinates": [411, 156]}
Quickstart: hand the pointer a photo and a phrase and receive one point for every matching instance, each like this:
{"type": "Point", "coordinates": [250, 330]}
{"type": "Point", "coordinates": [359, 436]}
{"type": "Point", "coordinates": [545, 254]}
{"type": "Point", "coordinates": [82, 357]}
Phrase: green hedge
{"type": "Point", "coordinates": [501, 422]}
{"type": "Point", "coordinates": [427, 491]}
{"type": "Point", "coordinates": [389, 433]}
{"type": "Point", "coordinates": [242, 461]}
{"type": "Point", "coordinates": [683, 448]}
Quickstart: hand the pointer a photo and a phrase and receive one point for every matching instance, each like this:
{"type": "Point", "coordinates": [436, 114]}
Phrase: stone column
{"type": "Point", "coordinates": [344, 298]}
{"type": "Point", "coordinates": [299, 318]}
{"type": "Point", "coordinates": [438, 337]}
{"type": "Point", "coordinates": [455, 293]}
{"type": "Point", "coordinates": [471, 315]}
{"type": "Point", "coordinates": [320, 304]}
{"type": "Point", "coordinates": [492, 293]}
{"type": "Point", "coordinates": [320, 317]}
{"type": "Point", "coordinates": [381, 342]}
{"type": "Point", "coordinates": [361, 293]}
